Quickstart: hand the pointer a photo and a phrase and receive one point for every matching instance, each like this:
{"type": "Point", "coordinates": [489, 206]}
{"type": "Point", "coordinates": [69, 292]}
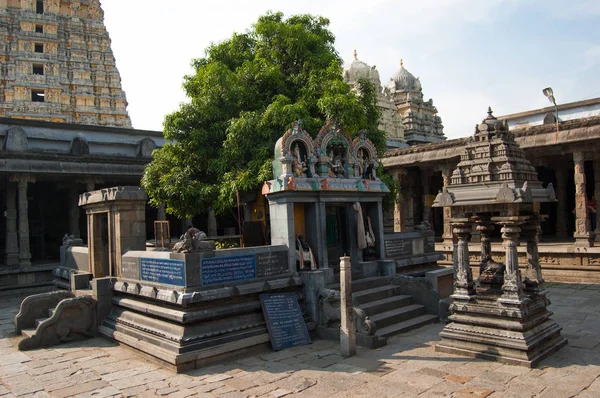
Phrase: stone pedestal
{"type": "Point", "coordinates": [582, 235]}
{"type": "Point", "coordinates": [12, 239]}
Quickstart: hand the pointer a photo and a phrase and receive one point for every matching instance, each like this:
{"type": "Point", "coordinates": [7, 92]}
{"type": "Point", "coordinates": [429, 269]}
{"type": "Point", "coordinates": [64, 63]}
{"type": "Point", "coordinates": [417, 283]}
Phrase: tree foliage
{"type": "Point", "coordinates": [243, 96]}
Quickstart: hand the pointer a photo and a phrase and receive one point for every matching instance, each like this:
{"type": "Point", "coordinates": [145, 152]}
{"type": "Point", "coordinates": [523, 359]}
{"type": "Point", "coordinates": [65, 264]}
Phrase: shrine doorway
{"type": "Point", "coordinates": [336, 227]}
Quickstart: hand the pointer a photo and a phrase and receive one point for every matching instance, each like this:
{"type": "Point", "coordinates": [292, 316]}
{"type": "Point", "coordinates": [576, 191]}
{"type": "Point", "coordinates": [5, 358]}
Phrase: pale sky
{"type": "Point", "coordinates": [469, 54]}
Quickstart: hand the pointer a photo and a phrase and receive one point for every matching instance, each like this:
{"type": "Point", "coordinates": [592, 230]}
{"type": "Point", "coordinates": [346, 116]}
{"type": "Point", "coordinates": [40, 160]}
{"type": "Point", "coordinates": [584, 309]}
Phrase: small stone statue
{"type": "Point", "coordinates": [491, 272]}
{"type": "Point", "coordinates": [71, 240]}
{"type": "Point", "coordinates": [192, 241]}
{"type": "Point", "coordinates": [424, 226]}
{"type": "Point", "coordinates": [298, 166]}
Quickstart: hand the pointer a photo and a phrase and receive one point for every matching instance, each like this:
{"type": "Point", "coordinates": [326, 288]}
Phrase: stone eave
{"type": "Point", "coordinates": [63, 157]}
{"type": "Point", "coordinates": [80, 127]}
{"type": "Point", "coordinates": [550, 109]}
{"type": "Point", "coordinates": [572, 131]}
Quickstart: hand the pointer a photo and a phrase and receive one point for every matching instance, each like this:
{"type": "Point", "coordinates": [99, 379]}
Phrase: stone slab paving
{"type": "Point", "coordinates": [407, 367]}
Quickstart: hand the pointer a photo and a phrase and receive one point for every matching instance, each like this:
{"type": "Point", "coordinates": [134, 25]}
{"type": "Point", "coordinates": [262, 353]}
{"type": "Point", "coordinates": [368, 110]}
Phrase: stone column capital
{"type": "Point", "coordinates": [21, 178]}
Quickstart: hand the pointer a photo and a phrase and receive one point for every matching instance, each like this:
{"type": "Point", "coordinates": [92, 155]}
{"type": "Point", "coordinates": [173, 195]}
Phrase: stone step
{"type": "Point", "coordinates": [366, 296]}
{"type": "Point", "coordinates": [364, 284]}
{"type": "Point", "coordinates": [406, 326]}
{"type": "Point", "coordinates": [38, 321]}
{"type": "Point", "coordinates": [27, 333]}
{"type": "Point", "coordinates": [386, 304]}
{"type": "Point", "coordinates": [397, 315]}
{"type": "Point", "coordinates": [83, 292]}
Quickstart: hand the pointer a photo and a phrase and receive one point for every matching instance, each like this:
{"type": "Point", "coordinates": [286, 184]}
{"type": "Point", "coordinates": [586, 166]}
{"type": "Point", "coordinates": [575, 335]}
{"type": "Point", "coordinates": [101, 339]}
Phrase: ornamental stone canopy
{"type": "Point", "coordinates": [493, 170]}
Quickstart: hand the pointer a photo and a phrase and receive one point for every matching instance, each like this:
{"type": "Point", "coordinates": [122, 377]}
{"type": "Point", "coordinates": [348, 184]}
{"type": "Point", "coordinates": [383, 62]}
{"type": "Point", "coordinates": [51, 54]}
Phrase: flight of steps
{"type": "Point", "coordinates": [41, 326]}
{"type": "Point", "coordinates": [392, 312]}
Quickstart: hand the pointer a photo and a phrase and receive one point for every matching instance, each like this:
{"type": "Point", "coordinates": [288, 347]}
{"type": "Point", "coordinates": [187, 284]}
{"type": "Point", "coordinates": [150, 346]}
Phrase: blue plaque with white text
{"type": "Point", "coordinates": [162, 270]}
{"type": "Point", "coordinates": [227, 269]}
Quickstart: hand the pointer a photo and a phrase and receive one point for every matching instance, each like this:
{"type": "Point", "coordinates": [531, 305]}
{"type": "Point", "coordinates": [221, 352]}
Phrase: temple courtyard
{"type": "Point", "coordinates": [407, 366]}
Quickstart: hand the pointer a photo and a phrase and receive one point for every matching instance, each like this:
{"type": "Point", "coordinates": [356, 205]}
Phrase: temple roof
{"type": "Point", "coordinates": [360, 70]}
{"type": "Point", "coordinates": [403, 80]}
{"type": "Point", "coordinates": [493, 170]}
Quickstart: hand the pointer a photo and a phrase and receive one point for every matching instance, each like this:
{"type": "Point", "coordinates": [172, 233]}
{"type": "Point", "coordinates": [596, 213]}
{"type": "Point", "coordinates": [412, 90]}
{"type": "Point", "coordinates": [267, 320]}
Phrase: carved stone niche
{"type": "Point", "coordinates": [365, 154]}
{"type": "Point", "coordinates": [335, 152]}
{"type": "Point", "coordinates": [79, 146]}
{"type": "Point", "coordinates": [145, 148]}
{"type": "Point", "coordinates": [295, 154]}
{"type": "Point", "coordinates": [15, 140]}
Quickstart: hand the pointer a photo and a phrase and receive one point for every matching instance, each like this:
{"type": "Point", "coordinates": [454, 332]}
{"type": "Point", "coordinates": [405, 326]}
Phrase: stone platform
{"type": "Point", "coordinates": [407, 366]}
{"type": "Point", "coordinates": [560, 260]}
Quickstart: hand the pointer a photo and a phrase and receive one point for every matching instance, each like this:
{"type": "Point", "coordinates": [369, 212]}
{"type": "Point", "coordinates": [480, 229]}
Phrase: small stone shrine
{"type": "Point", "coordinates": [325, 193]}
{"type": "Point", "coordinates": [501, 316]}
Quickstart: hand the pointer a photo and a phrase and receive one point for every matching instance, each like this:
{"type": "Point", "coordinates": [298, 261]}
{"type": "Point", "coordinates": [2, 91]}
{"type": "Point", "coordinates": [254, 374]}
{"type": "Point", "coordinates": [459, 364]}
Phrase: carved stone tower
{"type": "Point", "coordinates": [56, 64]}
{"type": "Point", "coordinates": [421, 122]}
{"type": "Point", "coordinates": [390, 120]}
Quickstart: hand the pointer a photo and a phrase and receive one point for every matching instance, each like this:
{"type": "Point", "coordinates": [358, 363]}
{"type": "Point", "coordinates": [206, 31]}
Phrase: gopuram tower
{"type": "Point", "coordinates": [56, 64]}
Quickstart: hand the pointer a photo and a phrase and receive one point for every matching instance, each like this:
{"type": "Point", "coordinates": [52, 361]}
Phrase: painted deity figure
{"type": "Point", "coordinates": [337, 168]}
{"type": "Point", "coordinates": [361, 163]}
{"type": "Point", "coordinates": [298, 166]}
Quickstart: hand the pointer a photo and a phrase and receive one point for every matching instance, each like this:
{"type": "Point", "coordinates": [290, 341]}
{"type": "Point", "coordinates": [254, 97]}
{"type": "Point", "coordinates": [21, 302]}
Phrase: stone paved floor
{"type": "Point", "coordinates": [408, 366]}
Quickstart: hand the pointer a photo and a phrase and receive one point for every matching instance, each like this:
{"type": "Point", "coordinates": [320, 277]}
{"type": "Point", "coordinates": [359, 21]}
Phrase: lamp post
{"type": "Point", "coordinates": [550, 95]}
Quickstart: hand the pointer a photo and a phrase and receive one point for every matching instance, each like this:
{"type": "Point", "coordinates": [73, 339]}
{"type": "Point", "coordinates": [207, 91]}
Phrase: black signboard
{"type": "Point", "coordinates": [271, 264]}
{"type": "Point", "coordinates": [284, 320]}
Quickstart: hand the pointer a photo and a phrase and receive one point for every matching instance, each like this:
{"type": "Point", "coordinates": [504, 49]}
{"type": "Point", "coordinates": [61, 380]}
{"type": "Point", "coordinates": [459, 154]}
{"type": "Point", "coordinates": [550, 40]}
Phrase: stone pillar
{"type": "Point", "coordinates": [534, 282]}
{"type": "Point", "coordinates": [12, 240]}
{"type": "Point", "coordinates": [463, 282]}
{"type": "Point", "coordinates": [512, 289]}
{"type": "Point", "coordinates": [24, 251]}
{"type": "Point", "coordinates": [74, 212]}
{"type": "Point", "coordinates": [447, 211]}
{"type": "Point", "coordinates": [485, 228]}
{"type": "Point", "coordinates": [212, 223]}
{"type": "Point", "coordinates": [426, 180]}
{"type": "Point", "coordinates": [582, 233]}
{"type": "Point", "coordinates": [399, 204]}
{"type": "Point", "coordinates": [561, 208]}
{"type": "Point", "coordinates": [347, 327]}
{"type": "Point", "coordinates": [597, 196]}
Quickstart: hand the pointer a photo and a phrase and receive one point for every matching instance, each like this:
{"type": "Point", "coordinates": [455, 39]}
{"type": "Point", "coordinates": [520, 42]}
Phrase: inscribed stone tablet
{"type": "Point", "coordinates": [227, 269]}
{"type": "Point", "coordinates": [162, 270]}
{"type": "Point", "coordinates": [397, 248]}
{"type": "Point", "coordinates": [271, 264]}
{"type": "Point", "coordinates": [284, 320]}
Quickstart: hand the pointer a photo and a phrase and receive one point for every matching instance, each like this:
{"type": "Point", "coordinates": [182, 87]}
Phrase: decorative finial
{"type": "Point", "coordinates": [401, 63]}
{"type": "Point", "coordinates": [490, 111]}
{"type": "Point", "coordinates": [355, 54]}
